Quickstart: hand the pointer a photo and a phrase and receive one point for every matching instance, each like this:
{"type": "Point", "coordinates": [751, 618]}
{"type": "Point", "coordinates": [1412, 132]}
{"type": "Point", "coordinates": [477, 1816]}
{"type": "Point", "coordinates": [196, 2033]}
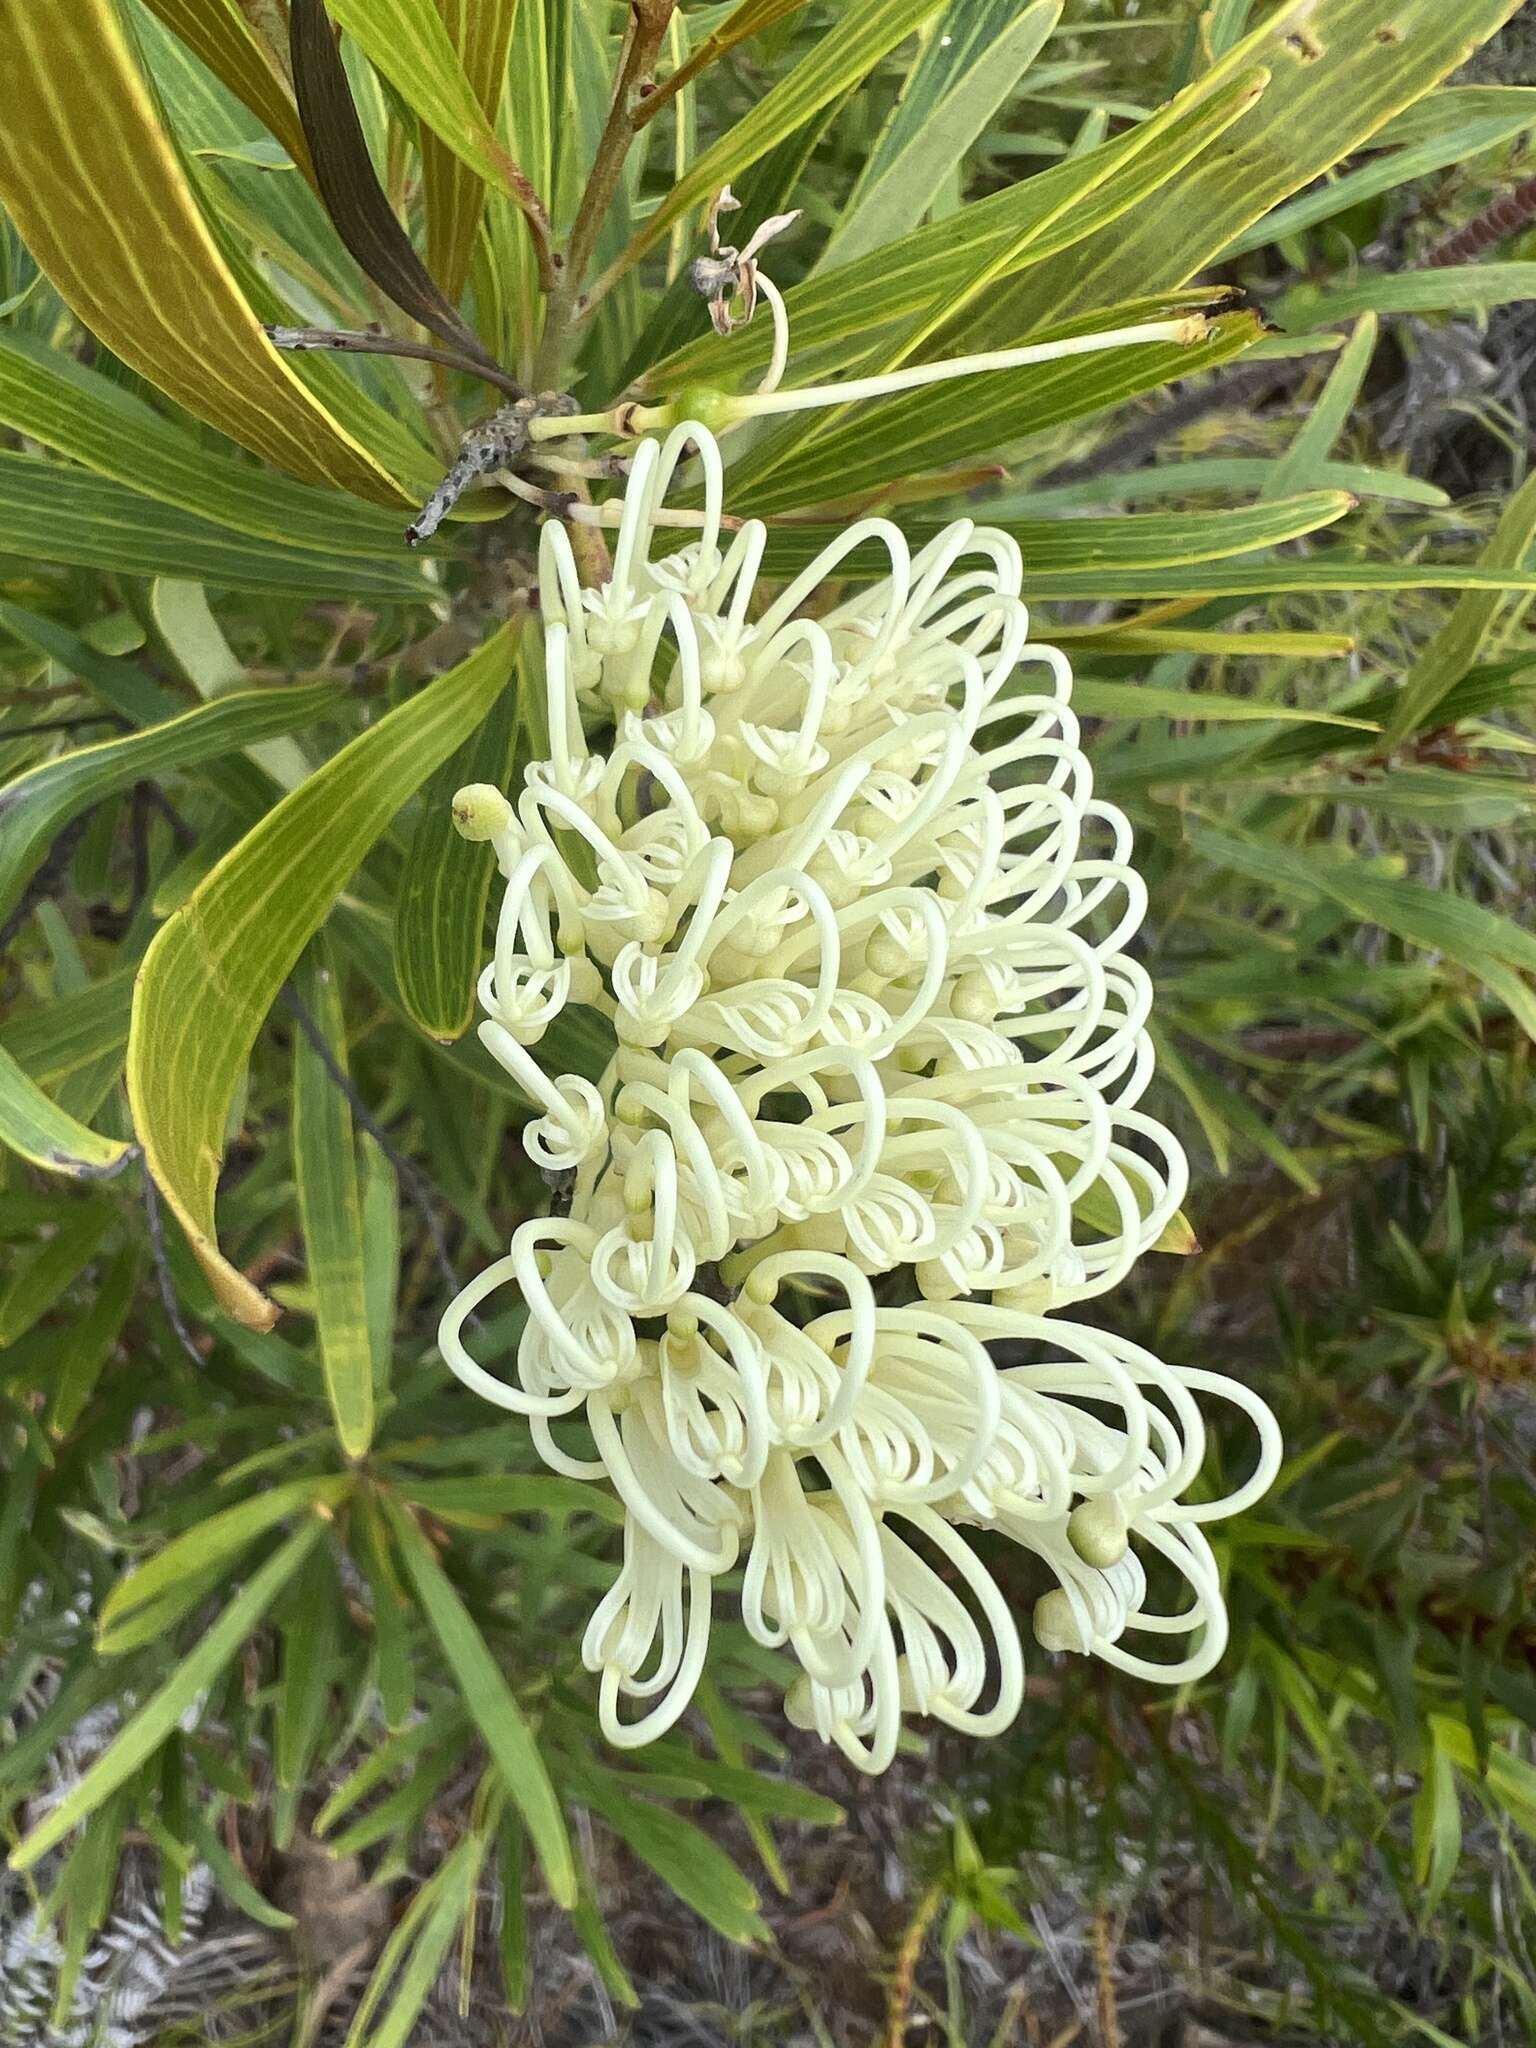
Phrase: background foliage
{"type": "Point", "coordinates": [297, 1740]}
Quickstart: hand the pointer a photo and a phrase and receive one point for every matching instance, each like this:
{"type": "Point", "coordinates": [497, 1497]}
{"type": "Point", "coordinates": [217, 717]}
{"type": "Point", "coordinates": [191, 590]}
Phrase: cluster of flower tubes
{"type": "Point", "coordinates": [828, 857]}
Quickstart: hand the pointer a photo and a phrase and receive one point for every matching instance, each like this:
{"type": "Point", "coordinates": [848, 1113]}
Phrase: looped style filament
{"type": "Point", "coordinates": [841, 883]}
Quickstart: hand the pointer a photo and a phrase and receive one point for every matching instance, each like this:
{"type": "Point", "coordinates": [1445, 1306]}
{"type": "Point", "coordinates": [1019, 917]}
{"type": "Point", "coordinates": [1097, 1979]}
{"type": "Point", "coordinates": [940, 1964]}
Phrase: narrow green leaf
{"type": "Point", "coordinates": [52, 512]}
{"type": "Point", "coordinates": [40, 1274]}
{"type": "Point", "coordinates": [36, 806]}
{"type": "Point", "coordinates": [512, 1493]}
{"type": "Point", "coordinates": [494, 1710]}
{"type": "Point", "coordinates": [217, 1541]}
{"type": "Point", "coordinates": [682, 1856]}
{"type": "Point", "coordinates": [162, 1713]}
{"type": "Point", "coordinates": [1450, 107]}
{"type": "Point", "coordinates": [1212, 707]}
{"type": "Point", "coordinates": [71, 1032]}
{"type": "Point", "coordinates": [1299, 467]}
{"type": "Point", "coordinates": [308, 1627]}
{"type": "Point", "coordinates": [381, 1254]}
{"type": "Point", "coordinates": [446, 884]}
{"type": "Point", "coordinates": [216, 965]}
{"type": "Point", "coordinates": [1240, 473]}
{"type": "Point", "coordinates": [391, 1625]}
{"type": "Point", "coordinates": [91, 1343]}
{"type": "Point", "coordinates": [480, 32]}
{"type": "Point", "coordinates": [231, 1879]}
{"type": "Point", "coordinates": [51, 398]}
{"type": "Point", "coordinates": [1460, 641]}
{"type": "Point", "coordinates": [405, 1747]}
{"type": "Point", "coordinates": [330, 1207]}
{"type": "Point", "coordinates": [513, 1937]}
{"type": "Point", "coordinates": [437, 1910]}
{"type": "Point", "coordinates": [1382, 174]}
{"type": "Point", "coordinates": [1473, 288]}
{"type": "Point", "coordinates": [956, 87]}
{"type": "Point", "coordinates": [1436, 1829]}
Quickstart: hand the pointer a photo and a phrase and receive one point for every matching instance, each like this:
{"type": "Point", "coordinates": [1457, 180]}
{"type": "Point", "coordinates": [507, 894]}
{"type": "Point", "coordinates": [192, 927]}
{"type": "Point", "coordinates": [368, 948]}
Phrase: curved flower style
{"type": "Point", "coordinates": [839, 878]}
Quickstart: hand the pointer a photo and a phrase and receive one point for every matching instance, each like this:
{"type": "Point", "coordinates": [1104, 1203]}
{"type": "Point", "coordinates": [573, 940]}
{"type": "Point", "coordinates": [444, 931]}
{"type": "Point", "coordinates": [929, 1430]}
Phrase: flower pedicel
{"type": "Point", "coordinates": [841, 884]}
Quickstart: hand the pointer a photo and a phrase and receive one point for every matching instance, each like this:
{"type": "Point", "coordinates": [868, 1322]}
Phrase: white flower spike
{"type": "Point", "coordinates": [842, 885]}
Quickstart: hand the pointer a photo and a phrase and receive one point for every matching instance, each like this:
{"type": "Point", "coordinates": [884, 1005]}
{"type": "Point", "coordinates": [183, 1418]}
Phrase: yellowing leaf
{"type": "Point", "coordinates": [94, 185]}
{"type": "Point", "coordinates": [215, 966]}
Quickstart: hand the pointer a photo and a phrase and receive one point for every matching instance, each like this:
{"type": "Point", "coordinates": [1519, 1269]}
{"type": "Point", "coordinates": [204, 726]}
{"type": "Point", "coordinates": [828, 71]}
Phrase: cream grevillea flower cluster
{"type": "Point", "coordinates": [838, 877]}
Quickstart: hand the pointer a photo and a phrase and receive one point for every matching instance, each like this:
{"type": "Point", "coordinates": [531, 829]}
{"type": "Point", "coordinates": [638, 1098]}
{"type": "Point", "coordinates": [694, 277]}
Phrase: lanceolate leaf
{"type": "Point", "coordinates": [47, 1136]}
{"type": "Point", "coordinates": [95, 187]}
{"type": "Point", "coordinates": [215, 967]}
{"type": "Point", "coordinates": [55, 513]}
{"type": "Point", "coordinates": [440, 910]}
{"type": "Point", "coordinates": [789, 549]}
{"type": "Point", "coordinates": [219, 33]}
{"type": "Point", "coordinates": [330, 1208]}
{"type": "Point", "coordinates": [350, 187]}
{"type": "Point", "coordinates": [36, 805]}
{"type": "Point", "coordinates": [161, 1714]}
{"type": "Point", "coordinates": [216, 1543]}
{"type": "Point", "coordinates": [683, 1856]}
{"type": "Point", "coordinates": [1471, 288]}
{"type": "Point", "coordinates": [490, 1701]}
{"type": "Point", "coordinates": [48, 396]}
{"type": "Point", "coordinates": [1145, 540]}
{"type": "Point", "coordinates": [480, 31]}
{"type": "Point", "coordinates": [71, 1032]}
